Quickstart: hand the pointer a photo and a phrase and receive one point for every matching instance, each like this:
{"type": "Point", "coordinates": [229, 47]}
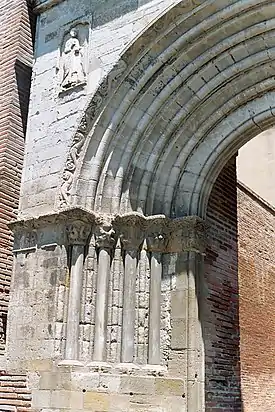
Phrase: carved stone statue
{"type": "Point", "coordinates": [72, 62]}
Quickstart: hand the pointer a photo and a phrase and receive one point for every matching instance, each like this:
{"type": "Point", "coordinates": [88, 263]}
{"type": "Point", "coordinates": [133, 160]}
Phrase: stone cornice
{"type": "Point", "coordinates": [131, 227]}
{"type": "Point", "coordinates": [61, 217]}
{"type": "Point", "coordinates": [264, 203]}
{"type": "Point", "coordinates": [162, 234]}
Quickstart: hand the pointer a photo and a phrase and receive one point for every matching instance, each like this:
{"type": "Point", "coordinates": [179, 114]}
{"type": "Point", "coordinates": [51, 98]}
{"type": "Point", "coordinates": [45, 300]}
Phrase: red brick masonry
{"type": "Point", "coordinates": [256, 222]}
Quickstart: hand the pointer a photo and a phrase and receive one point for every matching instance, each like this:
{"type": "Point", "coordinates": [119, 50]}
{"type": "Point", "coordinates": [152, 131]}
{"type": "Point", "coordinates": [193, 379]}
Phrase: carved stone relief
{"type": "Point", "coordinates": [105, 234]}
{"type": "Point", "coordinates": [84, 127]}
{"type": "Point", "coordinates": [107, 274]}
{"type": "Point", "coordinates": [131, 228]}
{"type": "Point", "coordinates": [188, 233]}
{"type": "Point", "coordinates": [73, 57]}
{"type": "Point", "coordinates": [71, 164]}
{"type": "Point", "coordinates": [24, 240]}
{"type": "Point", "coordinates": [78, 232]}
{"type": "Point", "coordinates": [157, 235]}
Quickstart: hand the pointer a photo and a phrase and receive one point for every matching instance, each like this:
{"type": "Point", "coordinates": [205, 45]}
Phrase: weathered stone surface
{"type": "Point", "coordinates": [136, 107]}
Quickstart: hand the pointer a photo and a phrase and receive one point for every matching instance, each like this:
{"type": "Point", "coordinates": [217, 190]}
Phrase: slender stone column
{"type": "Point", "coordinates": [155, 243]}
{"type": "Point", "coordinates": [105, 242]}
{"type": "Point", "coordinates": [154, 315]}
{"type": "Point", "coordinates": [194, 242]}
{"type": "Point", "coordinates": [129, 298]}
{"type": "Point", "coordinates": [188, 239]}
{"type": "Point", "coordinates": [78, 233]}
{"type": "Point", "coordinates": [195, 355]}
{"type": "Point", "coordinates": [131, 238]}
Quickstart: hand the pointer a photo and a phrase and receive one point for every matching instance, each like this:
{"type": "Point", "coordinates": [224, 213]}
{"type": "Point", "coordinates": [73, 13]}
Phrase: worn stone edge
{"type": "Point", "coordinates": [39, 8]}
{"type": "Point", "coordinates": [187, 233]}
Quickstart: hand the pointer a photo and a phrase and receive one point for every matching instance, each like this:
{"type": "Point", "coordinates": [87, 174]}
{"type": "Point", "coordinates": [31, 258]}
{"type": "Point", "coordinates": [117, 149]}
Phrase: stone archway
{"type": "Point", "coordinates": [190, 91]}
{"type": "Point", "coordinates": [180, 102]}
{"type": "Point", "coordinates": [176, 109]}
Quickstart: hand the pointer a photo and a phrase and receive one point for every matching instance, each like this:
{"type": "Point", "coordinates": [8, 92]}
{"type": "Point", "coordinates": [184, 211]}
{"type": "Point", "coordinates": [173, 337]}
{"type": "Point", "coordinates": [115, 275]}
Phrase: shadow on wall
{"type": "Point", "coordinates": [23, 69]}
{"type": "Point", "coordinates": [23, 74]}
{"type": "Point", "coordinates": [32, 20]}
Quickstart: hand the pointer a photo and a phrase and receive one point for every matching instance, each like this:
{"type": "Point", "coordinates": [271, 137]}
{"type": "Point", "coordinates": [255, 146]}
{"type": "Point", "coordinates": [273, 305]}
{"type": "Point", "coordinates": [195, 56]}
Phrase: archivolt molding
{"type": "Point", "coordinates": [263, 118]}
{"type": "Point", "coordinates": [81, 134]}
{"type": "Point", "coordinates": [108, 87]}
{"type": "Point", "coordinates": [191, 85]}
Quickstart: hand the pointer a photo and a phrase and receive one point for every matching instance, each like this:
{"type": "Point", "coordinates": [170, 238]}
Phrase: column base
{"type": "Point", "coordinates": [156, 370]}
{"type": "Point", "coordinates": [99, 366]}
{"type": "Point", "coordinates": [127, 367]}
{"type": "Point", "coordinates": [70, 362]}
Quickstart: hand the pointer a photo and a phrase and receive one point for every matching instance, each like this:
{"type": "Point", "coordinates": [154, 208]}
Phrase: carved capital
{"type": "Point", "coordinates": [157, 234]}
{"type": "Point", "coordinates": [78, 232]}
{"type": "Point", "coordinates": [194, 235]}
{"type": "Point", "coordinates": [188, 234]}
{"type": "Point", "coordinates": [132, 229]}
{"type": "Point", "coordinates": [163, 234]}
{"type": "Point", "coordinates": [105, 234]}
{"type": "Point", "coordinates": [156, 242]}
{"type": "Point", "coordinates": [61, 217]}
{"type": "Point", "coordinates": [25, 239]}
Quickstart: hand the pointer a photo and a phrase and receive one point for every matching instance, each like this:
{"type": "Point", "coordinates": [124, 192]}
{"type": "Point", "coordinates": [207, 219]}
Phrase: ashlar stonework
{"type": "Point", "coordinates": [124, 294]}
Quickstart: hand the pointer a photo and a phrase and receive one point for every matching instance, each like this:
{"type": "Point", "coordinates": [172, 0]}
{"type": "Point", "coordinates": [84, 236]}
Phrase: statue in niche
{"type": "Point", "coordinates": [72, 62]}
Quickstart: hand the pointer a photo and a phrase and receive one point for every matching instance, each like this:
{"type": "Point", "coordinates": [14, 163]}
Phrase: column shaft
{"type": "Point", "coordinates": [128, 311]}
{"type": "Point", "coordinates": [73, 316]}
{"type": "Point", "coordinates": [104, 262]}
{"type": "Point", "coordinates": [154, 315]}
{"type": "Point", "coordinates": [195, 368]}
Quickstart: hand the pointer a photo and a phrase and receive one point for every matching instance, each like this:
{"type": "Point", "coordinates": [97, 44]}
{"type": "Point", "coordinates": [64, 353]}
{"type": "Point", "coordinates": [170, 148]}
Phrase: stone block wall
{"type": "Point", "coordinates": [39, 327]}
{"type": "Point", "coordinates": [256, 224]}
{"type": "Point", "coordinates": [16, 49]}
{"type": "Point", "coordinates": [54, 116]}
{"type": "Point", "coordinates": [41, 292]}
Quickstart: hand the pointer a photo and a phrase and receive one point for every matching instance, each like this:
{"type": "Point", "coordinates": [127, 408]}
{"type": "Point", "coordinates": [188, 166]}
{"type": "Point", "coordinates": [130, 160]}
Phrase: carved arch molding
{"type": "Point", "coordinates": [184, 97]}
{"type": "Point", "coordinates": [192, 89]}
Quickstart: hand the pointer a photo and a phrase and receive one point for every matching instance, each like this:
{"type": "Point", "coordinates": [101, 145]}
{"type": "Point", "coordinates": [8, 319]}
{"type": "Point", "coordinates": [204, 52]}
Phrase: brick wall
{"type": "Point", "coordinates": [256, 223]}
{"type": "Point", "coordinates": [220, 308]}
{"type": "Point", "coordinates": [249, 260]}
{"type": "Point", "coordinates": [16, 38]}
{"type": "Point", "coordinates": [14, 394]}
